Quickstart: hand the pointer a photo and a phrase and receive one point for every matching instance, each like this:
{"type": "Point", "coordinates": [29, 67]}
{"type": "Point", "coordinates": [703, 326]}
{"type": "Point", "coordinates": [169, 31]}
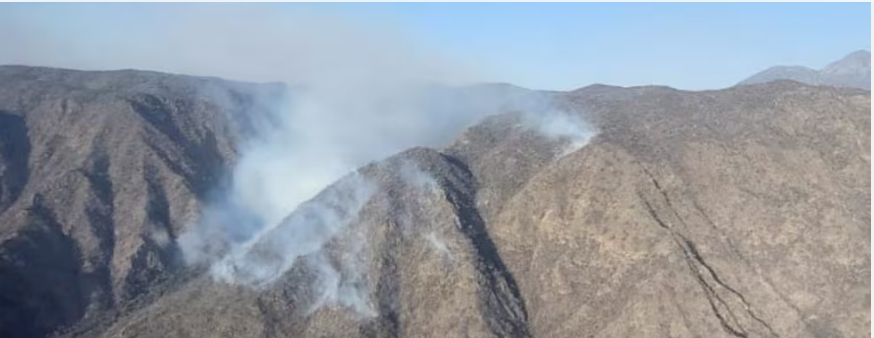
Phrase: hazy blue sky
{"type": "Point", "coordinates": [544, 46]}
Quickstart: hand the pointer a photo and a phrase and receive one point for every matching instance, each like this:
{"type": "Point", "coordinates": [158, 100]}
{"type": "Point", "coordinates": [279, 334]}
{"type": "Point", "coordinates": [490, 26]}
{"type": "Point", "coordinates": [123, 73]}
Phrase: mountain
{"type": "Point", "coordinates": [853, 70]}
{"type": "Point", "coordinates": [100, 170]}
{"type": "Point", "coordinates": [741, 212]}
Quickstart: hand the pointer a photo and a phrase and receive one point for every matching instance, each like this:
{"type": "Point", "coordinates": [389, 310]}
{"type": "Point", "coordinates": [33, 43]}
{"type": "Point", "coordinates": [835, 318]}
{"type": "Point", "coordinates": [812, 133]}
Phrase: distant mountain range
{"type": "Point", "coordinates": [853, 70]}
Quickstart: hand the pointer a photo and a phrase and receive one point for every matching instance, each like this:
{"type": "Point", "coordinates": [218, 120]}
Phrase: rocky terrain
{"type": "Point", "coordinates": [741, 212]}
{"type": "Point", "coordinates": [99, 173]}
{"type": "Point", "coordinates": [853, 70]}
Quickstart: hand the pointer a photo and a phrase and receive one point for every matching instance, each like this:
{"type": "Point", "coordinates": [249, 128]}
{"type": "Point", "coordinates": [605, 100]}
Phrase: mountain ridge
{"type": "Point", "coordinates": [725, 213]}
{"type": "Point", "coordinates": [852, 70]}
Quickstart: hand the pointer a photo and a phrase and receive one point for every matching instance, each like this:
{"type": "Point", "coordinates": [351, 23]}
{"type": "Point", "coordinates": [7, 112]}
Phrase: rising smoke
{"type": "Point", "coordinates": [359, 93]}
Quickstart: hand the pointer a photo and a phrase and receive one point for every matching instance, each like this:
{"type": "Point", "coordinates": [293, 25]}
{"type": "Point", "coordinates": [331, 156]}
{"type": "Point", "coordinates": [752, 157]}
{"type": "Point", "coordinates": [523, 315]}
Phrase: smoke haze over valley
{"type": "Point", "coordinates": [355, 94]}
{"type": "Point", "coordinates": [255, 171]}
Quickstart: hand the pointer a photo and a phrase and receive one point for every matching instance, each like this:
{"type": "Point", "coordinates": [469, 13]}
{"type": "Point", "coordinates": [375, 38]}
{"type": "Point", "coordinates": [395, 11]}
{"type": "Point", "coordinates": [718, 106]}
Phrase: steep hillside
{"type": "Point", "coordinates": [100, 171]}
{"type": "Point", "coordinates": [741, 212]}
{"type": "Point", "coordinates": [728, 213]}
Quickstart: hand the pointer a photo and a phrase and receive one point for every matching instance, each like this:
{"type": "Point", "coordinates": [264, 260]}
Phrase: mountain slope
{"type": "Point", "coordinates": [740, 212]}
{"type": "Point", "coordinates": [100, 170]}
{"type": "Point", "coordinates": [733, 213]}
{"type": "Point", "coordinates": [691, 214]}
{"type": "Point", "coordinates": [853, 70]}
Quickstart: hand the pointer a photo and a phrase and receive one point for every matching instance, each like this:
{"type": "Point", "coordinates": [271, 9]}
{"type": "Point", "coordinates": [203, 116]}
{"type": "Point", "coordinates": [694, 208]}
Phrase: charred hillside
{"type": "Point", "coordinates": [740, 212]}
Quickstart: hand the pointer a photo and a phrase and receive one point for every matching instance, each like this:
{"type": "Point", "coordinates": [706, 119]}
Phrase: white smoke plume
{"type": "Point", "coordinates": [345, 285]}
{"type": "Point", "coordinates": [439, 245]}
{"type": "Point", "coordinates": [271, 252]}
{"type": "Point", "coordinates": [361, 92]}
{"type": "Point", "coordinates": [569, 128]}
{"type": "Point", "coordinates": [541, 113]}
{"type": "Point", "coordinates": [416, 178]}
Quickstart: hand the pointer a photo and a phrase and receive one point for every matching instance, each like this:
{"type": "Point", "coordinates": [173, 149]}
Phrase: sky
{"type": "Point", "coordinates": [558, 46]}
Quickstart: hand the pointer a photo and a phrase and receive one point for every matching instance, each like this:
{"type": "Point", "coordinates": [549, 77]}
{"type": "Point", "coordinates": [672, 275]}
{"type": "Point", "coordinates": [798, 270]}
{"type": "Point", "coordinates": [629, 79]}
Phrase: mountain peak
{"type": "Point", "coordinates": [853, 70]}
{"type": "Point", "coordinates": [858, 62]}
